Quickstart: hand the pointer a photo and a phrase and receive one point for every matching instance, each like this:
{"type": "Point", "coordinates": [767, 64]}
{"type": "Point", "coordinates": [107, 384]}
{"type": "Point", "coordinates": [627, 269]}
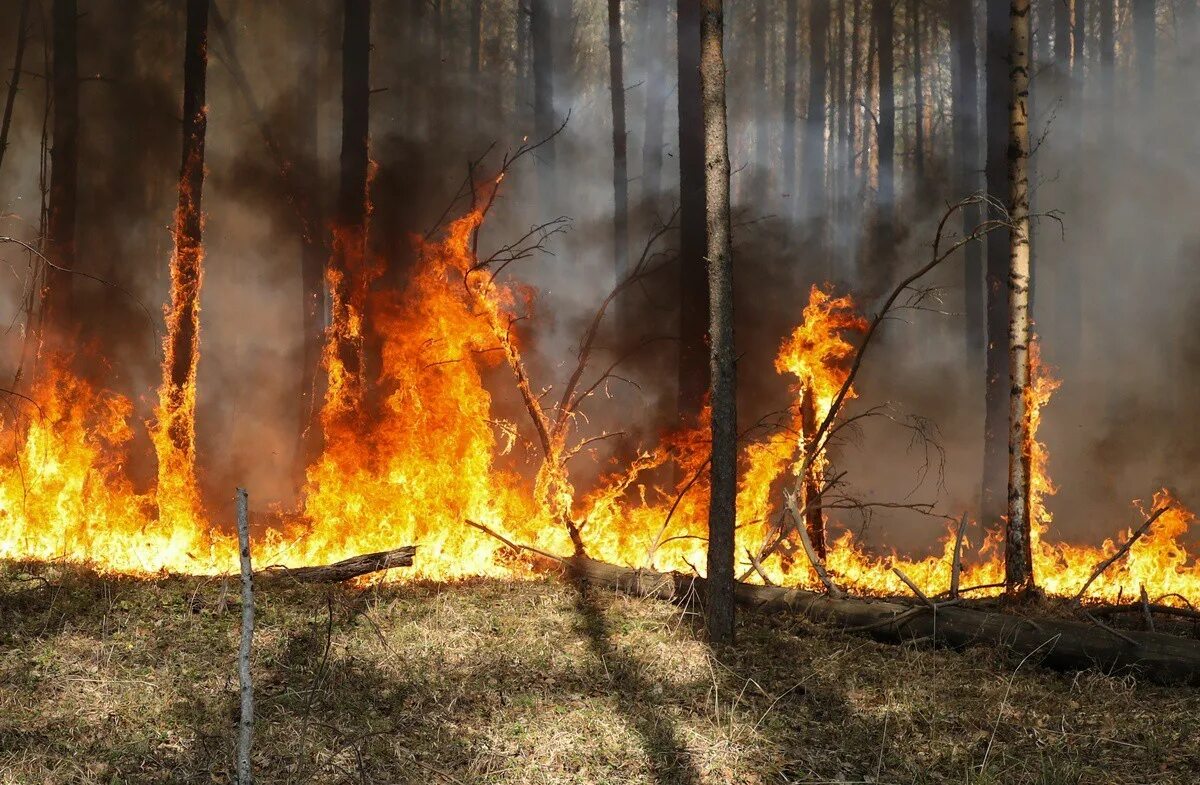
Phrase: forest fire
{"type": "Point", "coordinates": [429, 456]}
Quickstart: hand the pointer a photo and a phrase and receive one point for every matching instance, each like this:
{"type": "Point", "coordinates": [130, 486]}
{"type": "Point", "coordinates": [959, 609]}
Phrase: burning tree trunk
{"type": "Point", "coordinates": [541, 26]}
{"type": "Point", "coordinates": [693, 293]}
{"type": "Point", "coordinates": [176, 444]}
{"type": "Point", "coordinates": [1018, 554]}
{"type": "Point", "coordinates": [616, 72]}
{"type": "Point", "coordinates": [791, 64]}
{"type": "Point", "coordinates": [654, 15]}
{"type": "Point", "coordinates": [814, 132]}
{"type": "Point", "coordinates": [965, 97]}
{"type": "Point", "coordinates": [347, 274]}
{"type": "Point", "coordinates": [1144, 45]}
{"type": "Point", "coordinates": [882, 12]}
{"type": "Point", "coordinates": [723, 502]}
{"type": "Point", "coordinates": [995, 396]}
{"type": "Point", "coordinates": [64, 175]}
{"type": "Point", "coordinates": [814, 518]}
{"type": "Point", "coordinates": [15, 78]}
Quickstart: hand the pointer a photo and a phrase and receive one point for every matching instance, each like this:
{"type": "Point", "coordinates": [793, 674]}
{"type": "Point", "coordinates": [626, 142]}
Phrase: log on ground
{"type": "Point", "coordinates": [346, 569]}
{"type": "Point", "coordinates": [1060, 643]}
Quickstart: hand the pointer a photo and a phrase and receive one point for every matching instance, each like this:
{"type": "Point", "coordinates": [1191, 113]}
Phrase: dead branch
{"type": "Point", "coordinates": [956, 565]}
{"type": "Point", "coordinates": [346, 569]}
{"type": "Point", "coordinates": [246, 719]}
{"type": "Point", "coordinates": [510, 543]}
{"type": "Point", "coordinates": [914, 588]}
{"type": "Point", "coordinates": [813, 558]}
{"type": "Point", "coordinates": [1124, 549]}
{"type": "Point", "coordinates": [1146, 608]}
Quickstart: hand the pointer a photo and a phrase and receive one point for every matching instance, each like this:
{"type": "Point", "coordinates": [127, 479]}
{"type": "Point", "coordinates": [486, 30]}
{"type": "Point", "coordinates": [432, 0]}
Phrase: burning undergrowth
{"type": "Point", "coordinates": [428, 452]}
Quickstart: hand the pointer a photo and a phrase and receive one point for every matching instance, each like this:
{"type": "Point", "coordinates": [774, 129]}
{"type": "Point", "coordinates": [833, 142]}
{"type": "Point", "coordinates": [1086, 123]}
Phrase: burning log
{"type": "Point", "coordinates": [346, 569]}
{"type": "Point", "coordinates": [1068, 644]}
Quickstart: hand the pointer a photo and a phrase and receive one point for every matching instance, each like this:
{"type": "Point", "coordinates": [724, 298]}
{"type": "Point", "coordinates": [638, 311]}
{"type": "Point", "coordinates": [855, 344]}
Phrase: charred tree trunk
{"type": "Point", "coordinates": [64, 171]}
{"type": "Point", "coordinates": [814, 516]}
{"type": "Point", "coordinates": [1144, 45]}
{"type": "Point", "coordinates": [348, 275]}
{"type": "Point", "coordinates": [964, 86]}
{"type": "Point", "coordinates": [14, 80]}
{"type": "Point", "coordinates": [183, 349]}
{"type": "Point", "coordinates": [813, 209]}
{"type": "Point", "coordinates": [723, 502]}
{"type": "Point", "coordinates": [914, 35]}
{"type": "Point", "coordinates": [1018, 555]}
{"type": "Point", "coordinates": [996, 392]}
{"type": "Point", "coordinates": [886, 137]}
{"type": "Point", "coordinates": [541, 26]}
{"type": "Point", "coordinates": [693, 292]}
{"type": "Point", "coordinates": [616, 75]}
{"type": "Point", "coordinates": [655, 29]}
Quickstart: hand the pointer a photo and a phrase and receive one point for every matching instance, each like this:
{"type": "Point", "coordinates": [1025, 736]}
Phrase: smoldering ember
{"type": "Point", "coordinates": [641, 391]}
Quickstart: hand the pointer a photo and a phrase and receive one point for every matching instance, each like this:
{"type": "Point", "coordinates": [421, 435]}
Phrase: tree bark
{"type": "Point", "coordinates": [183, 322]}
{"type": "Point", "coordinates": [616, 74]}
{"type": "Point", "coordinates": [541, 26]}
{"type": "Point", "coordinates": [64, 170]}
{"type": "Point", "coordinates": [723, 370]}
{"type": "Point", "coordinates": [964, 87]}
{"type": "Point", "coordinates": [996, 392]}
{"type": "Point", "coordinates": [346, 569]}
{"type": "Point", "coordinates": [655, 16]}
{"type": "Point", "coordinates": [812, 211]}
{"type": "Point", "coordinates": [693, 291]}
{"type": "Point", "coordinates": [761, 89]}
{"type": "Point", "coordinates": [1018, 555]}
{"type": "Point", "coordinates": [886, 136]}
{"type": "Point", "coordinates": [14, 80]}
{"type": "Point", "coordinates": [791, 64]}
{"type": "Point", "coordinates": [852, 97]}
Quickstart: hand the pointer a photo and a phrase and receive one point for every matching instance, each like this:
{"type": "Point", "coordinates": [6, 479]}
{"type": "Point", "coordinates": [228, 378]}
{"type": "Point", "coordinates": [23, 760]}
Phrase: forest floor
{"type": "Point", "coordinates": [107, 679]}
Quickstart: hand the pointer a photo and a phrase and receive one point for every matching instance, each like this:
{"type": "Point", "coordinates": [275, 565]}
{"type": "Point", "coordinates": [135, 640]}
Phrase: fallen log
{"type": "Point", "coordinates": [344, 570]}
{"type": "Point", "coordinates": [1064, 644]}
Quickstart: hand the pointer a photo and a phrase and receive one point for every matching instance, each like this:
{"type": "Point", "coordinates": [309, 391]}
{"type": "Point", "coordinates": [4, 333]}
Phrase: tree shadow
{"type": "Point", "coordinates": [670, 761]}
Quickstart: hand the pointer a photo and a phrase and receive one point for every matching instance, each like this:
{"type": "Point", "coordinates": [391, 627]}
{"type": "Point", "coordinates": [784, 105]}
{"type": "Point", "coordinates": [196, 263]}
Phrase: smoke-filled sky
{"type": "Point", "coordinates": [1122, 182]}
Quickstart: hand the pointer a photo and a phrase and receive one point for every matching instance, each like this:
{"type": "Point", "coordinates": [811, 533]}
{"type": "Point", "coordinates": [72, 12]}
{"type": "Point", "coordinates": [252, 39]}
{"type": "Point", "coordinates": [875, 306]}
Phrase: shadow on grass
{"type": "Point", "coordinates": [670, 761]}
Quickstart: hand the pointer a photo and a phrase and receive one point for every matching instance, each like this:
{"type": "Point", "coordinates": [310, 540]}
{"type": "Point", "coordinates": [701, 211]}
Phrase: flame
{"type": "Point", "coordinates": [426, 451]}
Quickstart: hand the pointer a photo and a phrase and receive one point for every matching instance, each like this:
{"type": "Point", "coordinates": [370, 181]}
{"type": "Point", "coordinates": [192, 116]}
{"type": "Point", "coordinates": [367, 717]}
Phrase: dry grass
{"type": "Point", "coordinates": [113, 680]}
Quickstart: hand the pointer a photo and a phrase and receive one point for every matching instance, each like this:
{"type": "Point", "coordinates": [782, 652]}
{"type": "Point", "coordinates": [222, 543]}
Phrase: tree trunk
{"type": "Point", "coordinates": [723, 359]}
{"type": "Point", "coordinates": [854, 110]}
{"type": "Point", "coordinates": [655, 15]}
{"type": "Point", "coordinates": [521, 66]}
{"type": "Point", "coordinates": [1018, 556]}
{"type": "Point", "coordinates": [814, 516]}
{"type": "Point", "coordinates": [791, 64]}
{"type": "Point", "coordinates": [996, 171]}
{"type": "Point", "coordinates": [15, 78]}
{"type": "Point", "coordinates": [886, 137]}
{"type": "Point", "coordinates": [693, 293]}
{"type": "Point", "coordinates": [812, 211]}
{"type": "Point", "coordinates": [761, 89]}
{"type": "Point", "coordinates": [1144, 44]}
{"type": "Point", "coordinates": [616, 75]}
{"type": "Point", "coordinates": [64, 171]}
{"type": "Point", "coordinates": [313, 253]}
{"type": "Point", "coordinates": [183, 321]}
{"type": "Point", "coordinates": [914, 34]}
{"type": "Point", "coordinates": [348, 276]}
{"type": "Point", "coordinates": [541, 25]}
{"type": "Point", "coordinates": [964, 86]}
{"type": "Point", "coordinates": [475, 32]}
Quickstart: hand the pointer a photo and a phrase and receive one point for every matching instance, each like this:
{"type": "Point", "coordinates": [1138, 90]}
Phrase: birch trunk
{"type": "Point", "coordinates": [1018, 562]}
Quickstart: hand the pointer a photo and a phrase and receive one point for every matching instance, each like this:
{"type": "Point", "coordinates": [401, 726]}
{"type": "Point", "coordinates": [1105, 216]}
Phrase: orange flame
{"type": "Point", "coordinates": [432, 453]}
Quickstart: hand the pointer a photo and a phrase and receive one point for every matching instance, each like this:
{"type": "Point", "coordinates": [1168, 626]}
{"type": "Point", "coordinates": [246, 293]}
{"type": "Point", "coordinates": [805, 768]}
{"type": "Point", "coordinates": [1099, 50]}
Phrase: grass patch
{"type": "Point", "coordinates": [107, 679]}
